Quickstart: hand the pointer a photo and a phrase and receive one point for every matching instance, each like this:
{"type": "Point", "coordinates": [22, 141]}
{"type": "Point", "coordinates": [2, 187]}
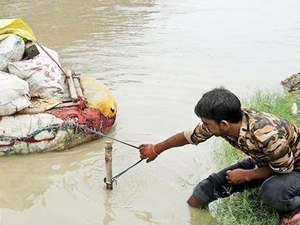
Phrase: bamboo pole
{"type": "Point", "coordinates": [76, 80]}
{"type": "Point", "coordinates": [71, 86]}
{"type": "Point", "coordinates": [77, 86]}
{"type": "Point", "coordinates": [108, 163]}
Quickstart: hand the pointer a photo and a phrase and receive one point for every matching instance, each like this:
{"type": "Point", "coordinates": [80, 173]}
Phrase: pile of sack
{"type": "Point", "coordinates": [27, 69]}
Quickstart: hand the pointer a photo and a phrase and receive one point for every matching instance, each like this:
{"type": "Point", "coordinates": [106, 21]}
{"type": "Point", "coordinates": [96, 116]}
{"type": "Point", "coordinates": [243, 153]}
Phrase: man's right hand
{"type": "Point", "coordinates": [148, 151]}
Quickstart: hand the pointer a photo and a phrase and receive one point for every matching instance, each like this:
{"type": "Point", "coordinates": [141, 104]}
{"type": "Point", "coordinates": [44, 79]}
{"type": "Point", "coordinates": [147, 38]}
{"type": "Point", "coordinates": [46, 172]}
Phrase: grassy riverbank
{"type": "Point", "coordinates": [247, 208]}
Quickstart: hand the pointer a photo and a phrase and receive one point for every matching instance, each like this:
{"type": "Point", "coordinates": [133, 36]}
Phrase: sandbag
{"type": "Point", "coordinates": [98, 96]}
{"type": "Point", "coordinates": [42, 74]}
{"type": "Point", "coordinates": [14, 106]}
{"type": "Point", "coordinates": [11, 49]}
{"type": "Point", "coordinates": [14, 94]}
{"type": "Point", "coordinates": [12, 87]}
{"type": "Point", "coordinates": [23, 134]}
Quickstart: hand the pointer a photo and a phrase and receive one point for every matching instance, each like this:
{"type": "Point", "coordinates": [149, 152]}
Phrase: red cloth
{"type": "Point", "coordinates": [88, 117]}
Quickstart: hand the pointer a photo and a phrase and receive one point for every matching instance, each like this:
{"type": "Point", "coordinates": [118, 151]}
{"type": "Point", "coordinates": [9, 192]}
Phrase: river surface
{"type": "Point", "coordinates": [158, 57]}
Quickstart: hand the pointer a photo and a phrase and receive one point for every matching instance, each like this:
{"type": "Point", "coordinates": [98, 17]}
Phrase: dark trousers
{"type": "Point", "coordinates": [280, 191]}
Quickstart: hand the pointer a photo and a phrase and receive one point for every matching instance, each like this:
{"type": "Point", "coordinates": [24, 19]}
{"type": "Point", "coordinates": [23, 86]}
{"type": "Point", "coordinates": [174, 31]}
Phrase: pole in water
{"type": "Point", "coordinates": [108, 163]}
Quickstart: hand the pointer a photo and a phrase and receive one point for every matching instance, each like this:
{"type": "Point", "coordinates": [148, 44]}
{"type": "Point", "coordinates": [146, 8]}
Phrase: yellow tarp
{"type": "Point", "coordinates": [16, 26]}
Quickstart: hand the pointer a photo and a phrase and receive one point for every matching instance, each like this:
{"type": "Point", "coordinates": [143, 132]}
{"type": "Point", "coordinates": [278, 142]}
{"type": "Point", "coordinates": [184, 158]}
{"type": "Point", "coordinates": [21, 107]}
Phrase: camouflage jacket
{"type": "Point", "coordinates": [266, 138]}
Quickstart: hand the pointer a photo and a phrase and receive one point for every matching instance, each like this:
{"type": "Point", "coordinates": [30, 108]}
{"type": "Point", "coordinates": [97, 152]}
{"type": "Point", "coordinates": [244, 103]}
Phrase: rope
{"type": "Point", "coordinates": [124, 171]}
{"type": "Point", "coordinates": [101, 134]}
{"type": "Point", "coordinates": [51, 58]}
{"type": "Point", "coordinates": [84, 128]}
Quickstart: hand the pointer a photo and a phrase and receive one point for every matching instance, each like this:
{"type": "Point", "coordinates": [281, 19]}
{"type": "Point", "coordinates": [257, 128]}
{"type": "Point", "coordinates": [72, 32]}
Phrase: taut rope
{"type": "Point", "coordinates": [101, 134]}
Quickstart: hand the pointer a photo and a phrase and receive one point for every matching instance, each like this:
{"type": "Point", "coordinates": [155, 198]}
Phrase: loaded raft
{"type": "Point", "coordinates": [42, 106]}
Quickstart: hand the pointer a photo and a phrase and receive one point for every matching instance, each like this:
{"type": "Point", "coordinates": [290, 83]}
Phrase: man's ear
{"type": "Point", "coordinates": [224, 125]}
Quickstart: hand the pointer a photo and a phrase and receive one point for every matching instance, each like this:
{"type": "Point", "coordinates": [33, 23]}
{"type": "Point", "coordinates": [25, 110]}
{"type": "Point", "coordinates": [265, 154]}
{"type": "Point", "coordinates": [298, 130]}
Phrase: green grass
{"type": "Point", "coordinates": [275, 102]}
{"type": "Point", "coordinates": [247, 208]}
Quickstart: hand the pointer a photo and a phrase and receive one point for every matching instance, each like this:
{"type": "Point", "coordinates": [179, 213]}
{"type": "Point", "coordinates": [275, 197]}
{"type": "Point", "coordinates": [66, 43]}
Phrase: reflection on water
{"type": "Point", "coordinates": [158, 57]}
{"type": "Point", "coordinates": [25, 179]}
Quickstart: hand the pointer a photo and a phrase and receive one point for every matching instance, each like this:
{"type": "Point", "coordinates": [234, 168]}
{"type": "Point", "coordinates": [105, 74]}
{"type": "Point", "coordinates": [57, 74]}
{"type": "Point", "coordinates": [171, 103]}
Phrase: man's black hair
{"type": "Point", "coordinates": [219, 104]}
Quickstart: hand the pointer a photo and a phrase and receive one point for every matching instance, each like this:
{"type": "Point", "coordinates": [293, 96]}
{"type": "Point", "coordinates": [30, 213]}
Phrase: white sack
{"type": "Point", "coordinates": [14, 106]}
{"type": "Point", "coordinates": [42, 74]}
{"type": "Point", "coordinates": [11, 49]}
{"type": "Point", "coordinates": [14, 94]}
{"type": "Point", "coordinates": [11, 87]}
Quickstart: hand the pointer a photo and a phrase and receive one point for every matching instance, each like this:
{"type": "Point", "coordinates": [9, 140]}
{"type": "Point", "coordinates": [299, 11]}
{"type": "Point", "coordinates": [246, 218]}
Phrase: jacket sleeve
{"type": "Point", "coordinates": [198, 134]}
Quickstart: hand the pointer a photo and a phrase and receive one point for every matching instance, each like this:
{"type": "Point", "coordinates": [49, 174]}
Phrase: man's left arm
{"type": "Point", "coordinates": [239, 176]}
{"type": "Point", "coordinates": [279, 156]}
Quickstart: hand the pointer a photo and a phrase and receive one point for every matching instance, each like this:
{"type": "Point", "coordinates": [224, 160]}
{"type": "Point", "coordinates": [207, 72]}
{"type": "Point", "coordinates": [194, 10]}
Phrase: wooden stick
{"type": "Point", "coordinates": [76, 80]}
{"type": "Point", "coordinates": [71, 86]}
{"type": "Point", "coordinates": [108, 163]}
{"type": "Point", "coordinates": [77, 87]}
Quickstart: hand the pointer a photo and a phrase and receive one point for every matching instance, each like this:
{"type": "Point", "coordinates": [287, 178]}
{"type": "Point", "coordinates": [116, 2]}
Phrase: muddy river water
{"type": "Point", "coordinates": [158, 57]}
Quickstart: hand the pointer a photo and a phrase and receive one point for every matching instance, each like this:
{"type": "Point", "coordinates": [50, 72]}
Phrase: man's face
{"type": "Point", "coordinates": [213, 127]}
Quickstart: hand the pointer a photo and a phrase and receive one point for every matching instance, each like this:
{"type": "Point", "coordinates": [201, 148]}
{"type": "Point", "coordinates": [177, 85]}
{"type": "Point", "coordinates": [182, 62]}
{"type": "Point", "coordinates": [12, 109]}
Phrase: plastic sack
{"type": "Point", "coordinates": [11, 49]}
{"type": "Point", "coordinates": [98, 96]}
{"type": "Point", "coordinates": [14, 106]}
{"type": "Point", "coordinates": [41, 73]}
{"type": "Point", "coordinates": [23, 134]}
{"type": "Point", "coordinates": [13, 94]}
{"type": "Point", "coordinates": [42, 132]}
{"type": "Point", "coordinates": [16, 26]}
{"type": "Point", "coordinates": [12, 87]}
